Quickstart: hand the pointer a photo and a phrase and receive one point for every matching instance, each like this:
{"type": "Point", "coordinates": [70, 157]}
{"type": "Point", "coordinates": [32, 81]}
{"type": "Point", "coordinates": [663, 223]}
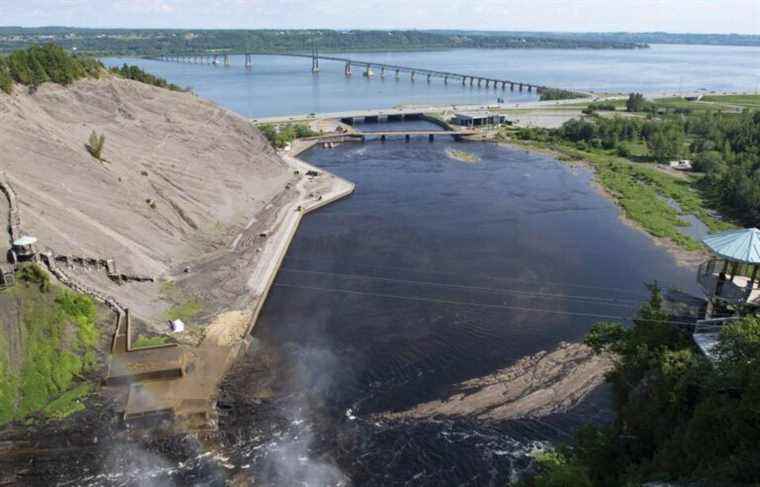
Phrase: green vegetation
{"type": "Point", "coordinates": [137, 74]}
{"type": "Point", "coordinates": [184, 307]}
{"type": "Point", "coordinates": [95, 145]}
{"type": "Point", "coordinates": [600, 106]}
{"type": "Point", "coordinates": [747, 101]}
{"type": "Point", "coordinates": [281, 135]}
{"type": "Point", "coordinates": [142, 42]}
{"type": "Point", "coordinates": [557, 94]}
{"type": "Point", "coordinates": [679, 416]}
{"type": "Point", "coordinates": [723, 147]}
{"type": "Point", "coordinates": [58, 334]}
{"type": "Point", "coordinates": [38, 64]}
{"type": "Point", "coordinates": [149, 342]}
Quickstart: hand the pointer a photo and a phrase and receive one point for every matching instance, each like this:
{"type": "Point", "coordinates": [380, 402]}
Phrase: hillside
{"type": "Point", "coordinates": [180, 179]}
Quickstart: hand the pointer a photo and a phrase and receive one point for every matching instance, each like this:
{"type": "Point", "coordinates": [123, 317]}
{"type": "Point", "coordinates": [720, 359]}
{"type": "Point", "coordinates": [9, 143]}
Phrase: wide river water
{"type": "Point", "coordinates": [280, 85]}
{"type": "Point", "coordinates": [434, 272]}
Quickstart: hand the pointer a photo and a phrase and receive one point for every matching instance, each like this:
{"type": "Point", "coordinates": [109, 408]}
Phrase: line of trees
{"type": "Point", "coordinates": [138, 42]}
{"type": "Point", "coordinates": [679, 416]}
{"type": "Point", "coordinates": [39, 64]}
{"type": "Point", "coordinates": [135, 73]}
{"type": "Point", "coordinates": [723, 146]}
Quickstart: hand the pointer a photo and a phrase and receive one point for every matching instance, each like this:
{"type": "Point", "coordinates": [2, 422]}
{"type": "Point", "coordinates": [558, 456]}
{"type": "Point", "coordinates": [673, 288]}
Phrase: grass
{"type": "Point", "coordinates": [183, 307]}
{"type": "Point", "coordinates": [68, 403]}
{"type": "Point", "coordinates": [59, 335]}
{"type": "Point", "coordinates": [149, 342]}
{"type": "Point", "coordinates": [748, 101]}
{"type": "Point", "coordinates": [642, 190]}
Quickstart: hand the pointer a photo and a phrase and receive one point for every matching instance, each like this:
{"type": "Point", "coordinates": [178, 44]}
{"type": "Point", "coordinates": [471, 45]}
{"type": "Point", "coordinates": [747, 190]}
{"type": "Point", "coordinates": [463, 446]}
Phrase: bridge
{"type": "Point", "coordinates": [369, 69]}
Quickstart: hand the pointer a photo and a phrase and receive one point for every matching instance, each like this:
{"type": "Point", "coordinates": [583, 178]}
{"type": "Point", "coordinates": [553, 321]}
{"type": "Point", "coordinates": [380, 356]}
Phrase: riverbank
{"type": "Point", "coordinates": [652, 198]}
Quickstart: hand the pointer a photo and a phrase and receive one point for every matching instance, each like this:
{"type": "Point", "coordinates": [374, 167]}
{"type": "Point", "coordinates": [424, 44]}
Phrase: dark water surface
{"type": "Point", "coordinates": [435, 271]}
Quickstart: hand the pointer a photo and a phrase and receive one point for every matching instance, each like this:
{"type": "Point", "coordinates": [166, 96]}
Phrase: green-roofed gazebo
{"type": "Point", "coordinates": [732, 275]}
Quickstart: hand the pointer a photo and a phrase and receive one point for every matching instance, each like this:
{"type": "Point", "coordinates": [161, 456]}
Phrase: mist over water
{"type": "Point", "coordinates": [434, 272]}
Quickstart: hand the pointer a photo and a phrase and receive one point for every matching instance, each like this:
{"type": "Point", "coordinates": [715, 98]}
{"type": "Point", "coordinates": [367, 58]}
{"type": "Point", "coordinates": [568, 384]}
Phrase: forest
{"type": "Point", "coordinates": [679, 415]}
{"type": "Point", "coordinates": [42, 63]}
{"type": "Point", "coordinates": [148, 42]}
{"type": "Point", "coordinates": [725, 147]}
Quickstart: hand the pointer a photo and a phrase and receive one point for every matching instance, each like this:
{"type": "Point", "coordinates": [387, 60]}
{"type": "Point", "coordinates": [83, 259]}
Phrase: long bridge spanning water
{"type": "Point", "coordinates": [369, 69]}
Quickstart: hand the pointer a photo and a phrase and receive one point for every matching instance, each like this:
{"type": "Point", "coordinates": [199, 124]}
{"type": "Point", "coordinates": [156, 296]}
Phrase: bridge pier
{"type": "Point", "coordinates": [431, 138]}
{"type": "Point", "coordinates": [248, 61]}
{"type": "Point", "coordinates": [445, 80]}
{"type": "Point", "coordinates": [398, 76]}
{"type": "Point", "coordinates": [488, 82]}
{"type": "Point", "coordinates": [521, 87]}
{"type": "Point", "coordinates": [412, 76]}
{"type": "Point", "coordinates": [368, 71]}
{"type": "Point", "coordinates": [464, 80]}
{"type": "Point", "coordinates": [347, 71]}
{"type": "Point", "coordinates": [530, 88]}
{"type": "Point", "coordinates": [428, 78]}
{"type": "Point", "coordinates": [382, 71]}
{"type": "Point", "coordinates": [406, 138]}
{"type": "Point", "coordinates": [382, 138]}
{"type": "Point", "coordinates": [227, 60]}
{"type": "Point", "coordinates": [480, 80]}
{"type": "Point", "coordinates": [472, 80]}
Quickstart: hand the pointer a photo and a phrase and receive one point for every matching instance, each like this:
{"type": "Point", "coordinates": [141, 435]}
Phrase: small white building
{"type": "Point", "coordinates": [682, 165]}
{"type": "Point", "coordinates": [177, 326]}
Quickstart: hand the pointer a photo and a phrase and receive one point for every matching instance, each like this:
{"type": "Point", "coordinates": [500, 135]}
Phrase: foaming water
{"type": "Point", "coordinates": [434, 272]}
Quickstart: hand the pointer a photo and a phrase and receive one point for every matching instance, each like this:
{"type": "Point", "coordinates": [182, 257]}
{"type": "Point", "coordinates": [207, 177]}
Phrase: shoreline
{"type": "Point", "coordinates": [682, 257]}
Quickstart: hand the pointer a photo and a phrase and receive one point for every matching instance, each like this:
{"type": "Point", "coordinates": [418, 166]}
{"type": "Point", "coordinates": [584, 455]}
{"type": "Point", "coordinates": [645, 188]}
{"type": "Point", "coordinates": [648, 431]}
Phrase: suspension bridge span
{"type": "Point", "coordinates": [369, 69]}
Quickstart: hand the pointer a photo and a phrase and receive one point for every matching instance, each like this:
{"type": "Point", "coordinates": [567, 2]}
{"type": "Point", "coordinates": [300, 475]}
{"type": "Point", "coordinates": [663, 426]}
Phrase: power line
{"type": "Point", "coordinates": [479, 305]}
{"type": "Point", "coordinates": [496, 278]}
{"type": "Point", "coordinates": [605, 301]}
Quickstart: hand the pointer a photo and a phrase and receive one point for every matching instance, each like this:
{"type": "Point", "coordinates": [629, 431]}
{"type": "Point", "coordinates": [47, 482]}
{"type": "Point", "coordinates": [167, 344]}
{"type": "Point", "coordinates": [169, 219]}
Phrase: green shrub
{"type": "Point", "coordinates": [135, 73]}
{"type": "Point", "coordinates": [95, 145]}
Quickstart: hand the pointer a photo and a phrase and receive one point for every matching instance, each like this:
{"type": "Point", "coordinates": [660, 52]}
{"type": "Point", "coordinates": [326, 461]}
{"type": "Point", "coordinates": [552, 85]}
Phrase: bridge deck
{"type": "Point", "coordinates": [423, 72]}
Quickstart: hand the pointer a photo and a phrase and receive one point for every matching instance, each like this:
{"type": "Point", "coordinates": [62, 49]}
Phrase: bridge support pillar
{"type": "Point", "coordinates": [530, 88]}
{"type": "Point", "coordinates": [227, 60]}
{"type": "Point", "coordinates": [382, 138]}
{"type": "Point", "coordinates": [431, 138]}
{"type": "Point", "coordinates": [472, 80]}
{"type": "Point", "coordinates": [511, 87]}
{"type": "Point", "coordinates": [382, 71]}
{"type": "Point", "coordinates": [480, 80]}
{"type": "Point", "coordinates": [368, 71]}
{"type": "Point", "coordinates": [445, 80]}
{"type": "Point", "coordinates": [412, 76]}
{"type": "Point", "coordinates": [488, 82]}
{"type": "Point", "coordinates": [397, 74]}
{"type": "Point", "coordinates": [428, 78]}
{"type": "Point", "coordinates": [248, 61]}
{"type": "Point", "coordinates": [348, 69]}
{"type": "Point", "coordinates": [464, 80]}
{"type": "Point", "coordinates": [406, 138]}
{"type": "Point", "coordinates": [521, 87]}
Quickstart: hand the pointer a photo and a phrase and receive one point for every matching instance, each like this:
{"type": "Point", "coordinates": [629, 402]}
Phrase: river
{"type": "Point", "coordinates": [281, 85]}
{"type": "Point", "coordinates": [434, 272]}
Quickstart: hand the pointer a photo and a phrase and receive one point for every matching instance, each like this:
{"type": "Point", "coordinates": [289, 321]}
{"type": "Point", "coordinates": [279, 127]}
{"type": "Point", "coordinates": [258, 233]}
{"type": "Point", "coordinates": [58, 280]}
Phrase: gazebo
{"type": "Point", "coordinates": [731, 276]}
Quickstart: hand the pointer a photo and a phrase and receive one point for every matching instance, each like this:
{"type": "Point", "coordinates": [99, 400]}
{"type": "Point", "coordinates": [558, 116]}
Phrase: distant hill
{"type": "Point", "coordinates": [626, 38]}
{"type": "Point", "coordinates": [140, 42]}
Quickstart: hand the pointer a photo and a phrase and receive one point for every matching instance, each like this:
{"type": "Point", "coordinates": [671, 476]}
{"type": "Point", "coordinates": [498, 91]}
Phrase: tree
{"type": "Point", "coordinates": [666, 143]}
{"type": "Point", "coordinates": [636, 103]}
{"type": "Point", "coordinates": [95, 145]}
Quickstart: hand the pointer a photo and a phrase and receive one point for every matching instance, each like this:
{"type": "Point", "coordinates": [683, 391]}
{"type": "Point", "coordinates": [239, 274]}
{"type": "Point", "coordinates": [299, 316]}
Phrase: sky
{"type": "Point", "coordinates": [700, 16]}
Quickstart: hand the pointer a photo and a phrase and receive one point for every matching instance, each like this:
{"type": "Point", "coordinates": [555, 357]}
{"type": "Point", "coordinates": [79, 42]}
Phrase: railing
{"type": "Point", "coordinates": [716, 284]}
